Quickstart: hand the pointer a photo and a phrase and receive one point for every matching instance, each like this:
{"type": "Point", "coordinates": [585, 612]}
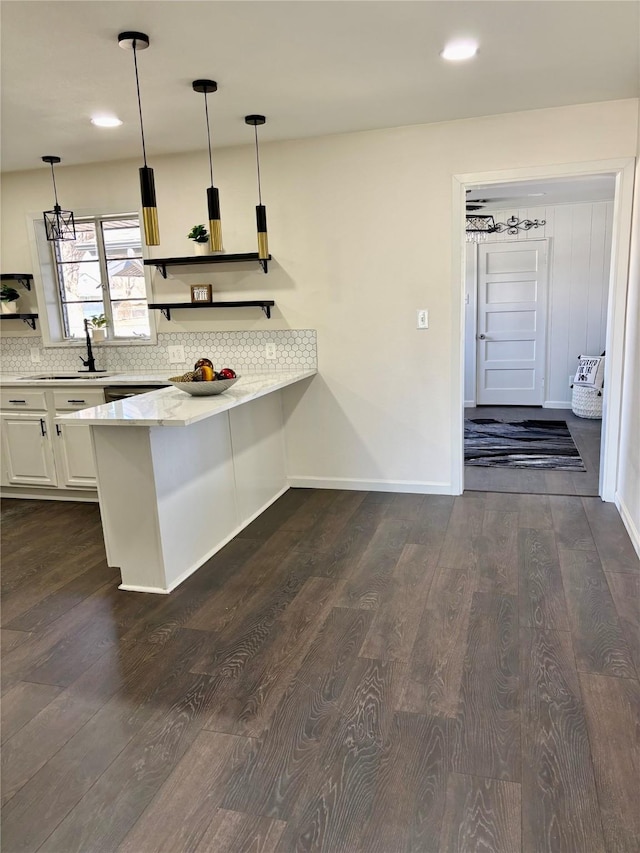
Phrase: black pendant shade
{"type": "Point", "coordinates": [206, 87]}
{"type": "Point", "coordinates": [261, 210]}
{"type": "Point", "coordinates": [59, 224]}
{"type": "Point", "coordinates": [140, 41]}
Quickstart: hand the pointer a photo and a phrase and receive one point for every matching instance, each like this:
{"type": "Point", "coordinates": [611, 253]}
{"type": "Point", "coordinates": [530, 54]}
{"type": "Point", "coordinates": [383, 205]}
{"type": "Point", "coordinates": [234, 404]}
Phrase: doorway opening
{"type": "Point", "coordinates": [535, 299]}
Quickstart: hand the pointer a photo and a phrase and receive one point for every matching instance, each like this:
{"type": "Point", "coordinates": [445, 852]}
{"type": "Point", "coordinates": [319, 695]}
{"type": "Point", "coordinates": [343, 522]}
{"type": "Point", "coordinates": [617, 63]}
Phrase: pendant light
{"type": "Point", "coordinates": [261, 210]}
{"type": "Point", "coordinates": [206, 87]}
{"type": "Point", "coordinates": [478, 227]}
{"type": "Point", "coordinates": [139, 41]}
{"type": "Point", "coordinates": [59, 224]}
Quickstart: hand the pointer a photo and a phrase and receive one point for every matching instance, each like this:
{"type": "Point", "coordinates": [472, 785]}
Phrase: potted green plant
{"type": "Point", "coordinates": [8, 299]}
{"type": "Point", "coordinates": [99, 325]}
{"type": "Point", "coordinates": [200, 237]}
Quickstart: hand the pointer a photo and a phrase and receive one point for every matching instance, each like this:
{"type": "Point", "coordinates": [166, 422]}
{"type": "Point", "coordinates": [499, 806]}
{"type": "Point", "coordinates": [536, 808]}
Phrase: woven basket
{"type": "Point", "coordinates": [586, 402]}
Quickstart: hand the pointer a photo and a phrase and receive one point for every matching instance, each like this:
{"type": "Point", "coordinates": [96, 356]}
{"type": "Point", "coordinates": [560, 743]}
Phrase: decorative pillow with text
{"type": "Point", "coordinates": [590, 372]}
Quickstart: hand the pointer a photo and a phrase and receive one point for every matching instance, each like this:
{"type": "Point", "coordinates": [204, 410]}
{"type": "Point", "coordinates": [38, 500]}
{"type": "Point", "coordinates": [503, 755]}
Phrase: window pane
{"type": "Point", "coordinates": [74, 314]}
{"type": "Point", "coordinates": [126, 279]}
{"type": "Point", "coordinates": [130, 319]}
{"type": "Point", "coordinates": [80, 281]}
{"type": "Point", "coordinates": [122, 238]}
{"type": "Point", "coordinates": [83, 248]}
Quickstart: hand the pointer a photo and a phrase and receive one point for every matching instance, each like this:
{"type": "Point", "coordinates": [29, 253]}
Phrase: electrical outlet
{"type": "Point", "coordinates": [423, 318]}
{"type": "Point", "coordinates": [176, 355]}
{"type": "Point", "coordinates": [35, 355]}
{"type": "Point", "coordinates": [270, 350]}
{"type": "Point", "coordinates": [571, 378]}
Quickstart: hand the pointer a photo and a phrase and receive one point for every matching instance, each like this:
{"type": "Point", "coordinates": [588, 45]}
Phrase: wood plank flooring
{"type": "Point", "coordinates": [354, 673]}
{"type": "Point", "coordinates": [585, 433]}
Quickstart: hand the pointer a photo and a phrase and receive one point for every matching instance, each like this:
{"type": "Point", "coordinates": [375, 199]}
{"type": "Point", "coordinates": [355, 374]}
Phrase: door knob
{"type": "Point", "coordinates": [482, 337]}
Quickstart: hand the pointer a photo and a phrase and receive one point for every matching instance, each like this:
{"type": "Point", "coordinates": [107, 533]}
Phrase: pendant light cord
{"type": "Point", "coordinates": [206, 112]}
{"type": "Point", "coordinates": [53, 178]}
{"type": "Point", "coordinates": [135, 64]}
{"type": "Point", "coordinates": [255, 129]}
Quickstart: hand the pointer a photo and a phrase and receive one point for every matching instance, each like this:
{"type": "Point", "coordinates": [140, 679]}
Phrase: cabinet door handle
{"type": "Point", "coordinates": [58, 430]}
{"type": "Point", "coordinates": [18, 401]}
{"type": "Point", "coordinates": [76, 401]}
{"type": "Point", "coordinates": [43, 426]}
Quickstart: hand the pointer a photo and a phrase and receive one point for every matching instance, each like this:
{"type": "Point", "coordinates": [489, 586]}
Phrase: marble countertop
{"type": "Point", "coordinates": [172, 407]}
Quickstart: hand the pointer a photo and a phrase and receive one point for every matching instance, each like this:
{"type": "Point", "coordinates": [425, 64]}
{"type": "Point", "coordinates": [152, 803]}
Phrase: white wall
{"type": "Point", "coordinates": [579, 268]}
{"type": "Point", "coordinates": [361, 229]}
{"type": "Point", "coordinates": [628, 497]}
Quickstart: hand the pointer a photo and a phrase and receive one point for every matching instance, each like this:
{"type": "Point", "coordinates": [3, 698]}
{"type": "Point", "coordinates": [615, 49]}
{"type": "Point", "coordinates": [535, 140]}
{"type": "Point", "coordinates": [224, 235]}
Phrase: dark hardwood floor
{"type": "Point", "coordinates": [585, 433]}
{"type": "Point", "coordinates": [356, 672]}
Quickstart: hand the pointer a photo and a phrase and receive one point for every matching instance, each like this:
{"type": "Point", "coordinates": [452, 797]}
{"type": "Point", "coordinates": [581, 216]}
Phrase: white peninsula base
{"type": "Point", "coordinates": [172, 495]}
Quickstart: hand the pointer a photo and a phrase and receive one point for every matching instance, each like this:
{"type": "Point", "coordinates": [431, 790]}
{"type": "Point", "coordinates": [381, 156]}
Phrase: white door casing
{"type": "Point", "coordinates": [511, 323]}
{"type": "Point", "coordinates": [624, 170]}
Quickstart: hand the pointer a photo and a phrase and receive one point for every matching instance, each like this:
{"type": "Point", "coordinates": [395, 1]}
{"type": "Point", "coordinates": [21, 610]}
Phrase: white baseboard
{"type": "Point", "coordinates": [556, 404]}
{"type": "Point", "coordinates": [44, 494]}
{"type": "Point", "coordinates": [469, 404]}
{"type": "Point", "coordinates": [632, 530]}
{"type": "Point", "coordinates": [417, 487]}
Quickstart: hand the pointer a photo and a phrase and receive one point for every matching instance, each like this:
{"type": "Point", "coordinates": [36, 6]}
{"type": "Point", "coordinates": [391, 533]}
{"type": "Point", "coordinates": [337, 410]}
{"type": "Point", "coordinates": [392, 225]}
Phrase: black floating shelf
{"type": "Point", "coordinates": [25, 278]}
{"type": "Point", "coordinates": [29, 319]}
{"type": "Point", "coordinates": [168, 307]}
{"type": "Point", "coordinates": [161, 264]}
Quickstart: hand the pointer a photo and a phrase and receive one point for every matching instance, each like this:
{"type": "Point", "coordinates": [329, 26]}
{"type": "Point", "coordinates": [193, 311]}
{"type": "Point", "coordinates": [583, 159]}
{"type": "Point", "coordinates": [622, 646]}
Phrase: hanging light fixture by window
{"type": "Point", "coordinates": [261, 210]}
{"type": "Point", "coordinates": [478, 227]}
{"type": "Point", "coordinates": [59, 224]}
{"type": "Point", "coordinates": [139, 41]}
{"type": "Point", "coordinates": [206, 87]}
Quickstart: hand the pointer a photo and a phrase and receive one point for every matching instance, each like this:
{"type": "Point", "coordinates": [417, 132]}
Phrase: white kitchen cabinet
{"type": "Point", "coordinates": [73, 448]}
{"type": "Point", "coordinates": [38, 452]}
{"type": "Point", "coordinates": [74, 456]}
{"type": "Point", "coordinates": [27, 451]}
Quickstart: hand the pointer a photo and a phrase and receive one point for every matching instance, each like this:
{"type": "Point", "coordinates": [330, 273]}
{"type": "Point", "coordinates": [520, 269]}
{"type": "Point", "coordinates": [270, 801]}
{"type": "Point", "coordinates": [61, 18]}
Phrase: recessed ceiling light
{"type": "Point", "coordinates": [460, 49]}
{"type": "Point", "coordinates": [106, 121]}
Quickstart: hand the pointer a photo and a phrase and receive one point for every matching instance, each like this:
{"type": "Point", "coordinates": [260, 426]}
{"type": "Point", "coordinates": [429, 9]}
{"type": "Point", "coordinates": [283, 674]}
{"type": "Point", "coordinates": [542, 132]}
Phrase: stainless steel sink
{"type": "Point", "coordinates": [68, 376]}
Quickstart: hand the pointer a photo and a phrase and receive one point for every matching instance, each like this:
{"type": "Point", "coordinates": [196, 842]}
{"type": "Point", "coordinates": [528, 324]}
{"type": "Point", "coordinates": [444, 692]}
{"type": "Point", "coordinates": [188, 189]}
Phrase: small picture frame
{"type": "Point", "coordinates": [201, 293]}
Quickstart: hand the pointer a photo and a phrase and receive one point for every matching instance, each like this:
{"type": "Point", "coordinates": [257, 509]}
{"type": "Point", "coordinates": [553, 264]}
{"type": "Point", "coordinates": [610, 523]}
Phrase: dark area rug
{"type": "Point", "coordinates": [520, 444]}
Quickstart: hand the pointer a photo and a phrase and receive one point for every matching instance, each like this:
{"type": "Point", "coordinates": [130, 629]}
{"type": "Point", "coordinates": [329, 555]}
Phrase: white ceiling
{"type": "Point", "coordinates": [311, 67]}
{"type": "Point", "coordinates": [525, 194]}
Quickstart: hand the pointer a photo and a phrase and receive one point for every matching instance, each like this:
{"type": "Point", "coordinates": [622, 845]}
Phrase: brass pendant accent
{"type": "Point", "coordinates": [215, 229]}
{"type": "Point", "coordinates": [151, 229]}
{"type": "Point", "coordinates": [263, 245]}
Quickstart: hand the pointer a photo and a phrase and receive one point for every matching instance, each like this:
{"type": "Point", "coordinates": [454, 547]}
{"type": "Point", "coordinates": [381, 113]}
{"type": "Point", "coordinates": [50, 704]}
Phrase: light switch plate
{"type": "Point", "coordinates": [35, 355]}
{"type": "Point", "coordinates": [176, 354]}
{"type": "Point", "coordinates": [423, 318]}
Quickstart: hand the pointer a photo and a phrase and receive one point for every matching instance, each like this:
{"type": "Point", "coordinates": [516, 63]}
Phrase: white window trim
{"type": "Point", "coordinates": [45, 285]}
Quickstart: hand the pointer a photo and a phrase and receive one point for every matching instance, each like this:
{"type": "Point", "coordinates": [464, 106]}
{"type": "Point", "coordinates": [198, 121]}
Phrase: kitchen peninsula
{"type": "Point", "coordinates": [179, 476]}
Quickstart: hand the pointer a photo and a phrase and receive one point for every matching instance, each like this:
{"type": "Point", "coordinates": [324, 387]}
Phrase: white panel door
{"type": "Point", "coordinates": [511, 327]}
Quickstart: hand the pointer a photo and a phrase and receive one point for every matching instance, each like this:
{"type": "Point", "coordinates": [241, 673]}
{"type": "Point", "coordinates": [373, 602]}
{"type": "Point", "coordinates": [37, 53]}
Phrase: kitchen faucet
{"type": "Point", "coordinates": [89, 362]}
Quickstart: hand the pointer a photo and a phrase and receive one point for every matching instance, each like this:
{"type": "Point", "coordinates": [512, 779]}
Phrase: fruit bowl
{"type": "Point", "coordinates": [204, 389]}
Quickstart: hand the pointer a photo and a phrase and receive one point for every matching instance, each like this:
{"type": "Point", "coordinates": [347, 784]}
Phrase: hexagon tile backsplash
{"type": "Point", "coordinates": [240, 350]}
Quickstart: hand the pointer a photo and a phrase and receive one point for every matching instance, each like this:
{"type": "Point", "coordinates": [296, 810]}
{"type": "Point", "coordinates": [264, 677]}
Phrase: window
{"type": "Point", "coordinates": [101, 272]}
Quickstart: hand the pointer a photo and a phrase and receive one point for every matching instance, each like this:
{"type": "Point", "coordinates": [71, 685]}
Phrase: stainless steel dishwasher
{"type": "Point", "coordinates": [121, 392]}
